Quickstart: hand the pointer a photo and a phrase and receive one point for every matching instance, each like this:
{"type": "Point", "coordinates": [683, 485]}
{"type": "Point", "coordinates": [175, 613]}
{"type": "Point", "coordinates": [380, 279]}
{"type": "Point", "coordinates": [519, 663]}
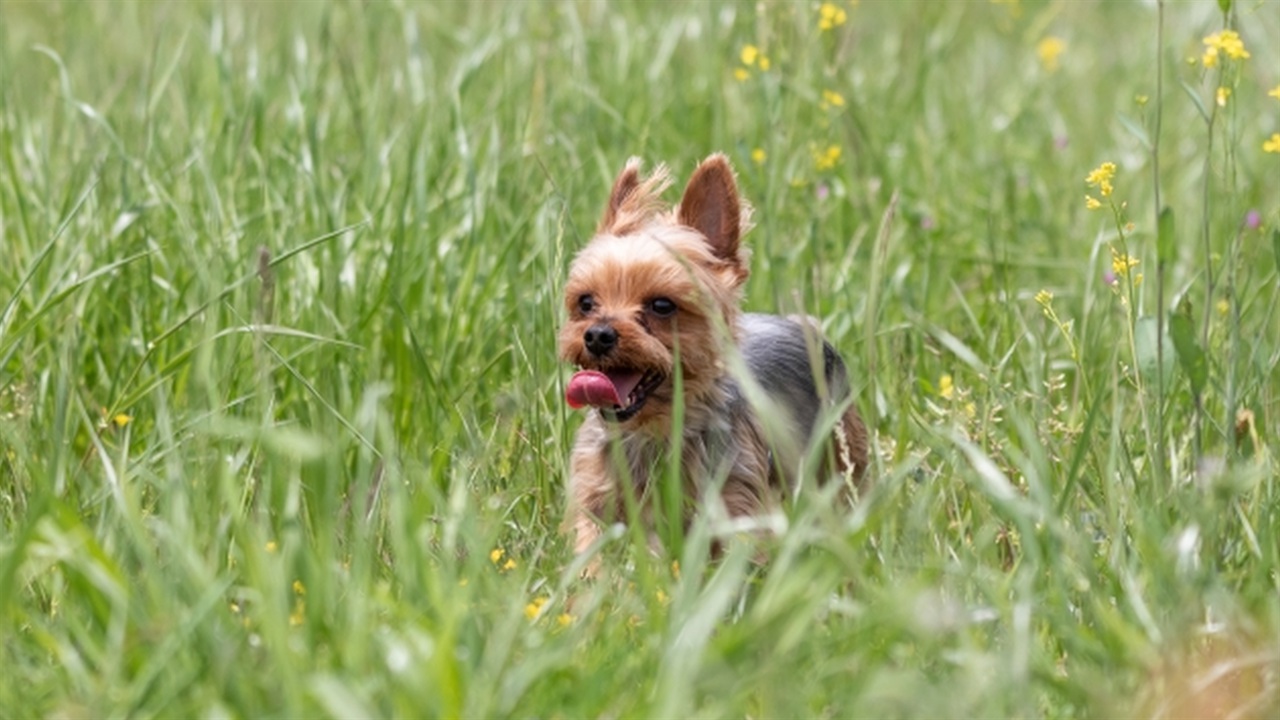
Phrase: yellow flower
{"type": "Point", "coordinates": [764, 63]}
{"type": "Point", "coordinates": [1226, 42]}
{"type": "Point", "coordinates": [741, 74]}
{"type": "Point", "coordinates": [830, 16]}
{"type": "Point", "coordinates": [272, 546]}
{"type": "Point", "coordinates": [1141, 100]}
{"type": "Point", "coordinates": [565, 619]}
{"type": "Point", "coordinates": [496, 555]}
{"type": "Point", "coordinates": [758, 156]}
{"type": "Point", "coordinates": [534, 608]}
{"type": "Point", "coordinates": [749, 54]}
{"type": "Point", "coordinates": [662, 598]}
{"type": "Point", "coordinates": [299, 613]}
{"type": "Point", "coordinates": [1223, 306]}
{"type": "Point", "coordinates": [675, 569]}
{"type": "Point", "coordinates": [1044, 298]}
{"type": "Point", "coordinates": [299, 588]}
{"type": "Point", "coordinates": [1122, 263]}
{"type": "Point", "coordinates": [1272, 145]}
{"type": "Point", "coordinates": [945, 387]}
{"type": "Point", "coordinates": [831, 98]}
{"type": "Point", "coordinates": [120, 419]}
{"type": "Point", "coordinates": [1049, 49]}
{"type": "Point", "coordinates": [826, 158]}
{"type": "Point", "coordinates": [1091, 202]}
{"type": "Point", "coordinates": [1274, 92]}
{"type": "Point", "coordinates": [1222, 95]}
{"type": "Point", "coordinates": [1101, 177]}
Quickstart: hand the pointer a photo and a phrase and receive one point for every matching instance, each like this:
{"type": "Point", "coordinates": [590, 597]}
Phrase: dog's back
{"type": "Point", "coordinates": [802, 374]}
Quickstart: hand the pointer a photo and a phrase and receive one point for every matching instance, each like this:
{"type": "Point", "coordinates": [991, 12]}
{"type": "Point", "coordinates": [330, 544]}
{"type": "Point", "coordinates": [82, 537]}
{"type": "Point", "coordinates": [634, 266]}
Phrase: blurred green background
{"type": "Point", "coordinates": [280, 408]}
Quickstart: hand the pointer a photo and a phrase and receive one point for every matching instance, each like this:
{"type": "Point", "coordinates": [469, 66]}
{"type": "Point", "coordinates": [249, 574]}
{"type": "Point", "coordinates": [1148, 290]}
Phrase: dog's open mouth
{"type": "Point", "coordinates": [619, 393]}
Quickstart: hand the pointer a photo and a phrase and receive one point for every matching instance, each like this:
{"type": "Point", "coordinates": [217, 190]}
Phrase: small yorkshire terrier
{"type": "Point", "coordinates": [655, 294]}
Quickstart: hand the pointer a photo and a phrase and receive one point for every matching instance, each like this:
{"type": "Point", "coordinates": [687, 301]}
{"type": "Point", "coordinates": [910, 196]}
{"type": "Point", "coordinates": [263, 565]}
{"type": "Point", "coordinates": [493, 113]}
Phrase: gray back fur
{"type": "Point", "coordinates": [786, 355]}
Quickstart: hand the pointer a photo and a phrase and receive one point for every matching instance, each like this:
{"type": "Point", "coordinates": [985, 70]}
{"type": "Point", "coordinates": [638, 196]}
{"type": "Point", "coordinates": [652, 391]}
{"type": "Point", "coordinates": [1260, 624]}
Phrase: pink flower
{"type": "Point", "coordinates": [1252, 220]}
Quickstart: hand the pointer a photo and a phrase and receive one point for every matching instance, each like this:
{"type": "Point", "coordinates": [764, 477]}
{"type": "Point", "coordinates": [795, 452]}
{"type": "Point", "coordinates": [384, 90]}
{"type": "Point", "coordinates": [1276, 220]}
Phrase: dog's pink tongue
{"type": "Point", "coordinates": [597, 389]}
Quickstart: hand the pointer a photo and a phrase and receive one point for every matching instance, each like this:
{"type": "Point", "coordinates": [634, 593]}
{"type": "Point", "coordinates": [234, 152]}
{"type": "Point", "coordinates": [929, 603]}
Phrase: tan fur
{"type": "Point", "coordinates": [692, 255]}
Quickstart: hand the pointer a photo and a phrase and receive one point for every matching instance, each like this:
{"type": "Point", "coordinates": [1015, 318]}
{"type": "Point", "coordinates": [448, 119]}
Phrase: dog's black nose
{"type": "Point", "coordinates": [600, 339]}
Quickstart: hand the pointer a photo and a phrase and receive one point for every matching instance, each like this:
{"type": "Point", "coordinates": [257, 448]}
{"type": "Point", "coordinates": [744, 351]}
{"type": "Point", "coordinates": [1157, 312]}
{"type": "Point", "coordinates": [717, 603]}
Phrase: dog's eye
{"type": "Point", "coordinates": [586, 304]}
{"type": "Point", "coordinates": [662, 307]}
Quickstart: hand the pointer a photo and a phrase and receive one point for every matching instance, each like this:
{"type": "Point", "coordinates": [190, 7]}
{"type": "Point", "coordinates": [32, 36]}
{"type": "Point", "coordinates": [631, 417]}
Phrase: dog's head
{"type": "Point", "coordinates": [655, 287]}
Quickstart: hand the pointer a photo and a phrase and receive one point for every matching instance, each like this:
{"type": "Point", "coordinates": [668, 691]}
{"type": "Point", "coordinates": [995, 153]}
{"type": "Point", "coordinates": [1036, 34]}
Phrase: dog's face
{"type": "Point", "coordinates": [651, 289]}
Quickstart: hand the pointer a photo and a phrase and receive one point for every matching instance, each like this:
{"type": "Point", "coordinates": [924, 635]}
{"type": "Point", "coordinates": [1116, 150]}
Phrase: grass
{"type": "Point", "coordinates": [283, 431]}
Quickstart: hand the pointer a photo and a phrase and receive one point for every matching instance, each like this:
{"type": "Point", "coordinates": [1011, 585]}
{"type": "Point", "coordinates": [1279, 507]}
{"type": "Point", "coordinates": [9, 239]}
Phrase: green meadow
{"type": "Point", "coordinates": [282, 422]}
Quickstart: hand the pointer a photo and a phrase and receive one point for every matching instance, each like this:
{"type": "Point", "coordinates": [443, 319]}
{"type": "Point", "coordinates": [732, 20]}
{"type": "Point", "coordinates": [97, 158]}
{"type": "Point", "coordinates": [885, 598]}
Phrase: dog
{"type": "Point", "coordinates": [652, 300]}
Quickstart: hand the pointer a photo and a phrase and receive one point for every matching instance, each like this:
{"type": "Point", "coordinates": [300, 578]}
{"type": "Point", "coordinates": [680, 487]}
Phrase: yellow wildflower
{"type": "Point", "coordinates": [1274, 92]}
{"type": "Point", "coordinates": [496, 557]}
{"type": "Point", "coordinates": [120, 419]}
{"type": "Point", "coordinates": [741, 74]}
{"type": "Point", "coordinates": [299, 588]}
{"type": "Point", "coordinates": [1222, 95]}
{"type": "Point", "coordinates": [299, 613]}
{"type": "Point", "coordinates": [1141, 100]}
{"type": "Point", "coordinates": [662, 598]}
{"type": "Point", "coordinates": [1091, 202]}
{"type": "Point", "coordinates": [1101, 178]}
{"type": "Point", "coordinates": [749, 54]}
{"type": "Point", "coordinates": [1223, 306]}
{"type": "Point", "coordinates": [831, 16]}
{"type": "Point", "coordinates": [1044, 299]}
{"type": "Point", "coordinates": [534, 608]}
{"type": "Point", "coordinates": [764, 63]}
{"type": "Point", "coordinates": [1122, 263]}
{"type": "Point", "coordinates": [946, 388]}
{"type": "Point", "coordinates": [1226, 42]}
{"type": "Point", "coordinates": [675, 569]}
{"type": "Point", "coordinates": [1272, 145]}
{"type": "Point", "coordinates": [758, 156]}
{"type": "Point", "coordinates": [272, 546]}
{"type": "Point", "coordinates": [1049, 49]}
{"type": "Point", "coordinates": [826, 158]}
{"type": "Point", "coordinates": [831, 98]}
{"type": "Point", "coordinates": [565, 619]}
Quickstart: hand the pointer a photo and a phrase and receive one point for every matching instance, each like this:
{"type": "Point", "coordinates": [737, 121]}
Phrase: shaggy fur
{"type": "Point", "coordinates": [657, 286]}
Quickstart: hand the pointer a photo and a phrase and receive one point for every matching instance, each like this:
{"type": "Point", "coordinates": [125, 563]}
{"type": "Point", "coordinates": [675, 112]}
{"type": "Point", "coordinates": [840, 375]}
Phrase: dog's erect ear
{"type": "Point", "coordinates": [711, 206]}
{"type": "Point", "coordinates": [627, 183]}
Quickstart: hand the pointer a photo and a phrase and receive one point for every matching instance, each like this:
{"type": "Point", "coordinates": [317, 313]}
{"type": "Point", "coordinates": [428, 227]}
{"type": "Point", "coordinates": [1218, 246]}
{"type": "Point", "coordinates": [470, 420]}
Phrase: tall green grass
{"type": "Point", "coordinates": [282, 426]}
